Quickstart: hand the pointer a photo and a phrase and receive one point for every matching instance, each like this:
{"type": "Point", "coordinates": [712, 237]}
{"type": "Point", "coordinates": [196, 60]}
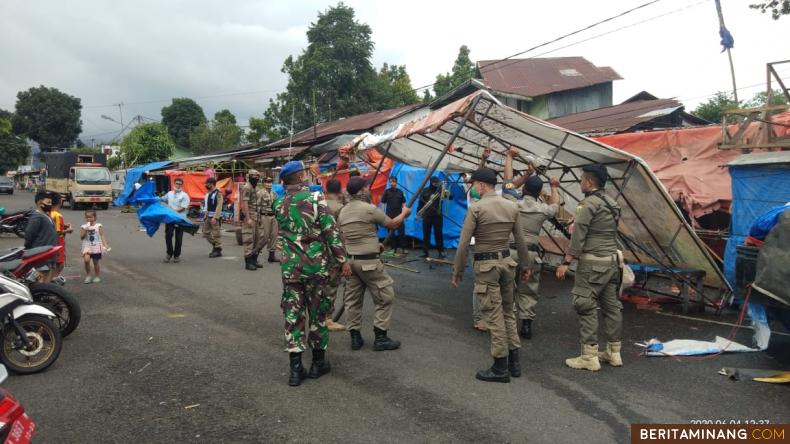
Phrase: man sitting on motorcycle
{"type": "Point", "coordinates": [40, 230]}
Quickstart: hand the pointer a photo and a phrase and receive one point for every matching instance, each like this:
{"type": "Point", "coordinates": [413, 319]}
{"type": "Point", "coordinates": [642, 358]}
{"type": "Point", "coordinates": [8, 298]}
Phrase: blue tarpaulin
{"type": "Point", "coordinates": [454, 209]}
{"type": "Point", "coordinates": [756, 189]}
{"type": "Point", "coordinates": [152, 212]}
{"type": "Point", "coordinates": [133, 175]}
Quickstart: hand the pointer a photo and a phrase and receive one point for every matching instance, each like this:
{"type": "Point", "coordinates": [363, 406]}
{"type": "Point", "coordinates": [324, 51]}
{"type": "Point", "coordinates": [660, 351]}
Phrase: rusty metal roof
{"type": "Point", "coordinates": [353, 124]}
{"type": "Point", "coordinates": [623, 117]}
{"type": "Point", "coordinates": [539, 76]}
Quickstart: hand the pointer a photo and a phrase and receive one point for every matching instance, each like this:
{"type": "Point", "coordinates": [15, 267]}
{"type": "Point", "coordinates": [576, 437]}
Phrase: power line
{"type": "Point", "coordinates": [145, 102]}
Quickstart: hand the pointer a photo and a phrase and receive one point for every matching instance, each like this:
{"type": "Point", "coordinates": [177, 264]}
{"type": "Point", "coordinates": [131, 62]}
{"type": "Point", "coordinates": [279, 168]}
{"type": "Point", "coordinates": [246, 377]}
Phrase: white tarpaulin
{"type": "Point", "coordinates": [651, 224]}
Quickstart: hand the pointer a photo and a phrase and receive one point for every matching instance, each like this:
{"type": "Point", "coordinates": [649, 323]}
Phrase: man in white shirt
{"type": "Point", "coordinates": [178, 200]}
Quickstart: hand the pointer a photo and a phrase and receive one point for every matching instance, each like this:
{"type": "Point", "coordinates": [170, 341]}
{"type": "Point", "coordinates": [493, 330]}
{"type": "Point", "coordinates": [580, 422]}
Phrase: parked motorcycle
{"type": "Point", "coordinates": [15, 426]}
{"type": "Point", "coordinates": [15, 222]}
{"type": "Point", "coordinates": [30, 340]}
{"type": "Point", "coordinates": [20, 264]}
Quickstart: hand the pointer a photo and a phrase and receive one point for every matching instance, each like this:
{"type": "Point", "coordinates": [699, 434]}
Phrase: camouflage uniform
{"type": "Point", "coordinates": [309, 241]}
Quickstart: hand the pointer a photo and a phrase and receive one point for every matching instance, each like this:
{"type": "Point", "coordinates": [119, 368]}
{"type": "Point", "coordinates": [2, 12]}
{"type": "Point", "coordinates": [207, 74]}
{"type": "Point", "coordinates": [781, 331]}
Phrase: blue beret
{"type": "Point", "coordinates": [291, 167]}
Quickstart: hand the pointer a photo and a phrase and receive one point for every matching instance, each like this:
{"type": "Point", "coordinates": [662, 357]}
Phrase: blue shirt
{"type": "Point", "coordinates": [176, 199]}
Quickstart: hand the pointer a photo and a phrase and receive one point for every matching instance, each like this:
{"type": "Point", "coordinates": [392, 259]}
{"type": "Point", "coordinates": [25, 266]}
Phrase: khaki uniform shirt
{"type": "Point", "coordinates": [334, 207]}
{"type": "Point", "coordinates": [594, 227]}
{"type": "Point", "coordinates": [265, 200]}
{"type": "Point", "coordinates": [533, 213]}
{"type": "Point", "coordinates": [359, 221]}
{"type": "Point", "coordinates": [491, 220]}
{"type": "Point", "coordinates": [250, 196]}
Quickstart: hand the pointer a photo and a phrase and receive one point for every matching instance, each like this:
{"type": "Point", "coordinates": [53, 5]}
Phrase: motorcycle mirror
{"type": "Point", "coordinates": [3, 373]}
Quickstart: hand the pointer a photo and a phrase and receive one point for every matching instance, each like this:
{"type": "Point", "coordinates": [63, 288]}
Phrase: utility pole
{"type": "Point", "coordinates": [723, 29]}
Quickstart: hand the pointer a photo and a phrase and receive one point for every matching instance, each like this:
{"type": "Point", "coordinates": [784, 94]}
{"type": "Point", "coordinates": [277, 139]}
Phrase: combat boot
{"type": "Point", "coordinates": [256, 262]}
{"type": "Point", "coordinates": [588, 359]}
{"type": "Point", "coordinates": [611, 354]}
{"type": "Point", "coordinates": [356, 339]}
{"type": "Point", "coordinates": [526, 329]}
{"type": "Point", "coordinates": [320, 365]}
{"type": "Point", "coordinates": [215, 252]}
{"type": "Point", "coordinates": [514, 363]}
{"type": "Point", "coordinates": [249, 264]}
{"type": "Point", "coordinates": [272, 258]}
{"type": "Point", "coordinates": [382, 342]}
{"type": "Point", "coordinates": [497, 373]}
{"type": "Point", "coordinates": [298, 373]}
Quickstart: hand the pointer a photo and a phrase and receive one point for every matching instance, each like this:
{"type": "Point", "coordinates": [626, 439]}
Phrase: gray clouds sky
{"type": "Point", "coordinates": [228, 54]}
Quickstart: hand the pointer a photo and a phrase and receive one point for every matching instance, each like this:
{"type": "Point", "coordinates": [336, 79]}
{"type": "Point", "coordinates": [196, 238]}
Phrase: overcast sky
{"type": "Point", "coordinates": [228, 54]}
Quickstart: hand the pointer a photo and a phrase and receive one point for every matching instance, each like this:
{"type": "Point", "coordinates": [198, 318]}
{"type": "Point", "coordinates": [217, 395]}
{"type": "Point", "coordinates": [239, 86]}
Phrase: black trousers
{"type": "Point", "coordinates": [171, 229]}
{"type": "Point", "coordinates": [398, 237]}
{"type": "Point", "coordinates": [435, 222]}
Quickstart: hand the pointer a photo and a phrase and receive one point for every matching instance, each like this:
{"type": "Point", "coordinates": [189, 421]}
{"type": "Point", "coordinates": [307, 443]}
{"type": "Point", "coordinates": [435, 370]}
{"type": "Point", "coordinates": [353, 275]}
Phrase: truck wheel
{"type": "Point", "coordinates": [104, 206]}
{"type": "Point", "coordinates": [74, 205]}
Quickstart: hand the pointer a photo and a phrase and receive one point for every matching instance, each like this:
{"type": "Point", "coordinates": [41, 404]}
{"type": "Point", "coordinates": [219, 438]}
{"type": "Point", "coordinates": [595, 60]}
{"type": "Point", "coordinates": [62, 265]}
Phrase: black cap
{"type": "Point", "coordinates": [354, 173]}
{"type": "Point", "coordinates": [599, 171]}
{"type": "Point", "coordinates": [533, 186]}
{"type": "Point", "coordinates": [486, 175]}
{"type": "Point", "coordinates": [355, 184]}
{"type": "Point", "coordinates": [212, 180]}
{"type": "Point", "coordinates": [333, 186]}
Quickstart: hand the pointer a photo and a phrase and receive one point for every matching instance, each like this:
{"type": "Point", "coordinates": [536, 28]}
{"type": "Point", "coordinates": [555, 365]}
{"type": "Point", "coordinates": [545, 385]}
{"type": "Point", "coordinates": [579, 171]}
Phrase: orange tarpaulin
{"type": "Point", "coordinates": [378, 187]}
{"type": "Point", "coordinates": [689, 162]}
{"type": "Point", "coordinates": [195, 184]}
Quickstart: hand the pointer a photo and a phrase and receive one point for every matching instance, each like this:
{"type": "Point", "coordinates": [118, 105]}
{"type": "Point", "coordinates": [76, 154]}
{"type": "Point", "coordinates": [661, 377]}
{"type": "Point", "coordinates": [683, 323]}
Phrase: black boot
{"type": "Point", "coordinates": [249, 264]}
{"type": "Point", "coordinates": [356, 339]}
{"type": "Point", "coordinates": [272, 258]}
{"type": "Point", "coordinates": [382, 342]}
{"type": "Point", "coordinates": [215, 252]}
{"type": "Point", "coordinates": [514, 363]}
{"type": "Point", "coordinates": [497, 373]}
{"type": "Point", "coordinates": [320, 365]}
{"type": "Point", "coordinates": [526, 329]}
{"type": "Point", "coordinates": [256, 262]}
{"type": "Point", "coordinates": [298, 373]}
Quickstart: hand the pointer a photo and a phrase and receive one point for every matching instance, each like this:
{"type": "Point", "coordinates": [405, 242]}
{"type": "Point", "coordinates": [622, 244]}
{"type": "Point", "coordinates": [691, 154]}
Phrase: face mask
{"type": "Point", "coordinates": [46, 208]}
{"type": "Point", "coordinates": [473, 192]}
{"type": "Point", "coordinates": [254, 181]}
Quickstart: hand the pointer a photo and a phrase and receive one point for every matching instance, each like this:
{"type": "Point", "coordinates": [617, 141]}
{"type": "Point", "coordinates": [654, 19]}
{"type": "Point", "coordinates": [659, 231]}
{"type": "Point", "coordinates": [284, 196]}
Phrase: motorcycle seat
{"type": "Point", "coordinates": [30, 252]}
{"type": "Point", "coordinates": [11, 254]}
{"type": "Point", "coordinates": [9, 265]}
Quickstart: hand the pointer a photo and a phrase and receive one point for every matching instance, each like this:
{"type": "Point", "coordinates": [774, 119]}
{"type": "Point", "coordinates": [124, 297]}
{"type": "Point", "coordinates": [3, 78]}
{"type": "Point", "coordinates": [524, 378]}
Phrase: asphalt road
{"type": "Point", "coordinates": [193, 352]}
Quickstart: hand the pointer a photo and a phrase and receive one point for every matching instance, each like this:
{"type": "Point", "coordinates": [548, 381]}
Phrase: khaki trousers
{"type": "Point", "coordinates": [595, 286]}
{"type": "Point", "coordinates": [369, 275]}
{"type": "Point", "coordinates": [494, 292]}
{"type": "Point", "coordinates": [268, 233]}
{"type": "Point", "coordinates": [251, 238]}
{"type": "Point", "coordinates": [212, 233]}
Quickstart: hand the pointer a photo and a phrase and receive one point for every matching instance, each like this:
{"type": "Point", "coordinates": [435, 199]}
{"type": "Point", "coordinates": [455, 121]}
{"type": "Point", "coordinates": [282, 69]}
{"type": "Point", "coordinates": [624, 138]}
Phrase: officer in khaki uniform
{"type": "Point", "coordinates": [334, 201]}
{"type": "Point", "coordinates": [267, 223]}
{"type": "Point", "coordinates": [594, 245]}
{"type": "Point", "coordinates": [250, 226]}
{"type": "Point", "coordinates": [212, 203]}
{"type": "Point", "coordinates": [491, 221]}
{"type": "Point", "coordinates": [359, 221]}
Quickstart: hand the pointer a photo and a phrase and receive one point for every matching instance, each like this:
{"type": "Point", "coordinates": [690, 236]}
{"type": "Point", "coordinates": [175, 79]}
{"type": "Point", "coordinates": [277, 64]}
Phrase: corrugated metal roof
{"type": "Point", "coordinates": [539, 76]}
{"type": "Point", "coordinates": [353, 124]}
{"type": "Point", "coordinates": [618, 118]}
{"type": "Point", "coordinates": [773, 157]}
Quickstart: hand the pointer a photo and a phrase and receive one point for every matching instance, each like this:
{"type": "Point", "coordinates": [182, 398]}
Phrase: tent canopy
{"type": "Point", "coordinates": [651, 225]}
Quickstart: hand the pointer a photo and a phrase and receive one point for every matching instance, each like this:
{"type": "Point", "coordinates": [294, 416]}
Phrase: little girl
{"type": "Point", "coordinates": [93, 244]}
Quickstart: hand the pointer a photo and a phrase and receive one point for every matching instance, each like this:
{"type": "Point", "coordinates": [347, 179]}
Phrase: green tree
{"type": "Point", "coordinates": [14, 151]}
{"type": "Point", "coordinates": [463, 70]}
{"type": "Point", "coordinates": [760, 99]}
{"type": "Point", "coordinates": [714, 108]}
{"type": "Point", "coordinates": [262, 130]}
{"type": "Point", "coordinates": [778, 8]}
{"type": "Point", "coordinates": [149, 142]}
{"type": "Point", "coordinates": [48, 116]}
{"type": "Point", "coordinates": [214, 136]}
{"type": "Point", "coordinates": [181, 117]}
{"type": "Point", "coordinates": [114, 162]}
{"type": "Point", "coordinates": [427, 97]}
{"type": "Point", "coordinates": [225, 116]}
{"type": "Point", "coordinates": [394, 87]}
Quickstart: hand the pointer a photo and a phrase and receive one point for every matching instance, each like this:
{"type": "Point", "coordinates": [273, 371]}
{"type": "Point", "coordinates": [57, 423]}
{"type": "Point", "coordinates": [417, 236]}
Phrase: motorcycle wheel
{"type": "Point", "coordinates": [19, 228]}
{"type": "Point", "coordinates": [45, 342]}
{"type": "Point", "coordinates": [59, 301]}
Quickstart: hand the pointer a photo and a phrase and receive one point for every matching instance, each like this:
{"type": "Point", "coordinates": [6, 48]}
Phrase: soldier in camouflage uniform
{"type": "Point", "coordinates": [309, 241]}
{"type": "Point", "coordinates": [267, 223]}
{"type": "Point", "coordinates": [334, 201]}
{"type": "Point", "coordinates": [250, 226]}
{"type": "Point", "coordinates": [594, 245]}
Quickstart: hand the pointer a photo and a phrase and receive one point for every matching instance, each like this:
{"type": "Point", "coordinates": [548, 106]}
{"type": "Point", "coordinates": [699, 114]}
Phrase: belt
{"type": "Point", "coordinates": [267, 214]}
{"type": "Point", "coordinates": [534, 247]}
{"type": "Point", "coordinates": [589, 257]}
{"type": "Point", "coordinates": [364, 257]}
{"type": "Point", "coordinates": [494, 255]}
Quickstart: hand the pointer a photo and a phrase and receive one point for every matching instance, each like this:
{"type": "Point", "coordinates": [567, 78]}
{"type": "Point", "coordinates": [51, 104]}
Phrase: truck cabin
{"type": "Point", "coordinates": [90, 173]}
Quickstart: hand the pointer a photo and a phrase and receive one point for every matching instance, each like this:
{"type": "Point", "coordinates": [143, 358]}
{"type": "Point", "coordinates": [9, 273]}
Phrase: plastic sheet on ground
{"type": "Point", "coordinates": [691, 347]}
{"type": "Point", "coordinates": [152, 212]}
{"type": "Point", "coordinates": [756, 374]}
